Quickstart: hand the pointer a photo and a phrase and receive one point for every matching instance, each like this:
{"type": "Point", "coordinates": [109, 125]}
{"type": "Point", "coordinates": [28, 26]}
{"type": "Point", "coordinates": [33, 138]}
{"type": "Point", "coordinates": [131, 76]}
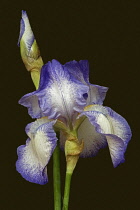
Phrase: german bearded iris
{"type": "Point", "coordinates": [67, 102]}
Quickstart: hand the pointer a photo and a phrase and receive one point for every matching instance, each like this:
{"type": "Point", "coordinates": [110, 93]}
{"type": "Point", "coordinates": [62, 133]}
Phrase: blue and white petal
{"type": "Point", "coordinates": [26, 33]}
{"type": "Point", "coordinates": [30, 101]}
{"type": "Point", "coordinates": [93, 141]}
{"type": "Point", "coordinates": [113, 126]}
{"type": "Point", "coordinates": [80, 70]}
{"type": "Point", "coordinates": [35, 155]}
{"type": "Point", "coordinates": [96, 94]}
{"type": "Point", "coordinates": [116, 148]}
{"type": "Point", "coordinates": [31, 128]}
{"type": "Point", "coordinates": [59, 94]}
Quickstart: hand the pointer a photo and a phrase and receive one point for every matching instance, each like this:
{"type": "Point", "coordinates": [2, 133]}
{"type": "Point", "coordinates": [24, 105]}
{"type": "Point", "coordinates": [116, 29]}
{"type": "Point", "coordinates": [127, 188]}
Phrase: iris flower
{"type": "Point", "coordinates": [67, 102]}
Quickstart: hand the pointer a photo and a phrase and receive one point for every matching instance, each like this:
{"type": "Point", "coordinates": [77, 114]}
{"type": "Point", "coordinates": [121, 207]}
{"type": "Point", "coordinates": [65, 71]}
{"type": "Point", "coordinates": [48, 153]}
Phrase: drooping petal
{"type": "Point", "coordinates": [80, 70]}
{"type": "Point", "coordinates": [35, 155]}
{"type": "Point", "coordinates": [59, 94]}
{"type": "Point", "coordinates": [93, 141]}
{"type": "Point", "coordinates": [118, 124]}
{"type": "Point", "coordinates": [116, 148]}
{"type": "Point", "coordinates": [113, 126]}
{"type": "Point", "coordinates": [32, 127]}
{"type": "Point", "coordinates": [26, 33]}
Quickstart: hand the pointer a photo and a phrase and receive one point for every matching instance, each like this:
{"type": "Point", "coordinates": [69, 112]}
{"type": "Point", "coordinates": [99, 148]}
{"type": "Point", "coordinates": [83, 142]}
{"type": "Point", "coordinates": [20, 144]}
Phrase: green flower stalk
{"type": "Point", "coordinates": [73, 148]}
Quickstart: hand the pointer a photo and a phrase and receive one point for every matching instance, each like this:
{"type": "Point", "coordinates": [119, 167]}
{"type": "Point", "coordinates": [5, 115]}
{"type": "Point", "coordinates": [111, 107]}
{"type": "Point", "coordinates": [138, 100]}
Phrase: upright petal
{"type": "Point", "coordinates": [35, 155]}
{"type": "Point", "coordinates": [96, 94]}
{"type": "Point", "coordinates": [113, 126]}
{"type": "Point", "coordinates": [59, 94]}
{"type": "Point", "coordinates": [80, 70]}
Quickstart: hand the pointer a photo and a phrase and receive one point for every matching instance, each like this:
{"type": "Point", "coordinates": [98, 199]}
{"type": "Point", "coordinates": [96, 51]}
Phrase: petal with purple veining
{"type": "Point", "coordinates": [35, 155]}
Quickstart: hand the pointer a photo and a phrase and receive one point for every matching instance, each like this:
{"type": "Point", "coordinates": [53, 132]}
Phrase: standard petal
{"type": "Point", "coordinates": [80, 70]}
{"type": "Point", "coordinates": [26, 33]}
{"type": "Point", "coordinates": [113, 126]}
{"type": "Point", "coordinates": [59, 93]}
{"type": "Point", "coordinates": [96, 94]}
{"type": "Point", "coordinates": [34, 156]}
{"type": "Point", "coordinates": [64, 94]}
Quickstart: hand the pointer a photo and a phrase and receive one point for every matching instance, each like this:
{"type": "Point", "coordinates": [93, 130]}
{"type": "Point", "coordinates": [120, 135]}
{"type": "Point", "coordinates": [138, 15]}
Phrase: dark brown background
{"type": "Point", "coordinates": [107, 33]}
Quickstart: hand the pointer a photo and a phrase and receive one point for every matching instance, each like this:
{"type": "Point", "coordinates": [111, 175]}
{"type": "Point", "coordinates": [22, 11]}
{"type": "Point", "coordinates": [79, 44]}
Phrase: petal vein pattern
{"type": "Point", "coordinates": [59, 93]}
{"type": "Point", "coordinates": [80, 70]}
{"type": "Point", "coordinates": [113, 127]}
{"type": "Point", "coordinates": [93, 141]}
{"type": "Point", "coordinates": [35, 155]}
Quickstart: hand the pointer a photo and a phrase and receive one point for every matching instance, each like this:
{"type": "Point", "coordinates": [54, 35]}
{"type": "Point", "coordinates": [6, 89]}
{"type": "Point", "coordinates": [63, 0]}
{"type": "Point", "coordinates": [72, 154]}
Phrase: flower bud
{"type": "Point", "coordinates": [29, 49]}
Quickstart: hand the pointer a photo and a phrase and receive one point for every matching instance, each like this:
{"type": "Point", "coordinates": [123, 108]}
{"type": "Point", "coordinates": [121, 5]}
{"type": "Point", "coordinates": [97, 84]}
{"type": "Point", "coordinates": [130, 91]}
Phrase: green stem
{"type": "Point", "coordinates": [67, 191]}
{"type": "Point", "coordinates": [56, 178]}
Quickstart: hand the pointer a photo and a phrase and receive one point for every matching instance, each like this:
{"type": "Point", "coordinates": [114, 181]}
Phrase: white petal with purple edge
{"type": "Point", "coordinates": [64, 94]}
{"type": "Point", "coordinates": [59, 93]}
{"type": "Point", "coordinates": [113, 126]}
{"type": "Point", "coordinates": [33, 126]}
{"type": "Point", "coordinates": [96, 94]}
{"type": "Point", "coordinates": [35, 155]}
{"type": "Point", "coordinates": [30, 101]}
{"type": "Point", "coordinates": [93, 141]}
{"type": "Point", "coordinates": [116, 148]}
{"type": "Point", "coordinates": [80, 70]}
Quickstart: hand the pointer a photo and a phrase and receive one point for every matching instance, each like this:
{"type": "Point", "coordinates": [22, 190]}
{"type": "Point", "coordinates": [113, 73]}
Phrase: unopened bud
{"type": "Point", "coordinates": [29, 50]}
